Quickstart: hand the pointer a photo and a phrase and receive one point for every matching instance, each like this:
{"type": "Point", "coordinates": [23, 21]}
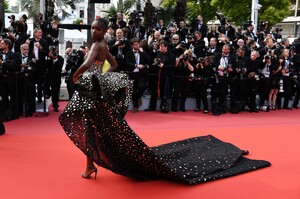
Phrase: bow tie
{"type": "Point", "coordinates": [23, 56]}
{"type": "Point", "coordinates": [136, 51]}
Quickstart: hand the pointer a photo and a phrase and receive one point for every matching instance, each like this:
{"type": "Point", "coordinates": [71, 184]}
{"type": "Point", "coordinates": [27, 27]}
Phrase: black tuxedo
{"type": "Point", "coordinates": [139, 75]}
{"type": "Point", "coordinates": [26, 86]}
{"type": "Point", "coordinates": [119, 53]}
{"type": "Point", "coordinates": [122, 24]}
{"type": "Point", "coordinates": [220, 90]}
{"type": "Point", "coordinates": [39, 67]}
{"type": "Point", "coordinates": [8, 85]}
{"type": "Point", "coordinates": [201, 27]}
{"type": "Point", "coordinates": [53, 79]}
{"type": "Point", "coordinates": [182, 32]}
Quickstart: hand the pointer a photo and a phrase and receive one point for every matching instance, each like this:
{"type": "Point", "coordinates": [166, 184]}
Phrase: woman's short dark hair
{"type": "Point", "coordinates": [103, 23]}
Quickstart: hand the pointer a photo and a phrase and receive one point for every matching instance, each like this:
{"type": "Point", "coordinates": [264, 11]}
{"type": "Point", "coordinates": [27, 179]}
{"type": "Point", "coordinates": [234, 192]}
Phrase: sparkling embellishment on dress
{"type": "Point", "coordinates": [94, 121]}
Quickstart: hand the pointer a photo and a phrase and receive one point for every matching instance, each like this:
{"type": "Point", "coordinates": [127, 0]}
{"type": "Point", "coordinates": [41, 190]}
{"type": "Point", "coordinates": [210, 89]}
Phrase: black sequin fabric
{"type": "Point", "coordinates": [94, 121]}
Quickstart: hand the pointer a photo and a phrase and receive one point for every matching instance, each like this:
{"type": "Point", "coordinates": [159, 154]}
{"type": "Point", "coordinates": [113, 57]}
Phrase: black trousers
{"type": "Point", "coordinates": [26, 94]}
{"type": "Point", "coordinates": [139, 87]}
{"type": "Point", "coordinates": [263, 90]}
{"type": "Point", "coordinates": [181, 88]}
{"type": "Point", "coordinates": [200, 89]}
{"type": "Point", "coordinates": [219, 92]}
{"type": "Point", "coordinates": [9, 93]}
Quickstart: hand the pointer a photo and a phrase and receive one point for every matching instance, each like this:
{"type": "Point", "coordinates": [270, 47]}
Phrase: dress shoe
{"type": "Point", "coordinates": [174, 110]}
{"type": "Point", "coordinates": [182, 110]}
{"type": "Point", "coordinates": [149, 109]}
{"type": "Point", "coordinates": [295, 107]}
{"type": "Point", "coordinates": [55, 109]}
{"type": "Point", "coordinates": [205, 111]}
{"type": "Point", "coordinates": [287, 108]}
{"type": "Point", "coordinates": [197, 110]}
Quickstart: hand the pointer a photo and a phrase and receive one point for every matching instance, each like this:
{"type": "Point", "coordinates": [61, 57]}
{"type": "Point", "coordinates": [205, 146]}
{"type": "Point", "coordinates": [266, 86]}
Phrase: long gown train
{"type": "Point", "coordinates": [94, 121]}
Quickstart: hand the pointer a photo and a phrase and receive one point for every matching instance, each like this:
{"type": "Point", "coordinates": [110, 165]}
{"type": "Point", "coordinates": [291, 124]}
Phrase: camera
{"type": "Point", "coordinates": [157, 61]}
{"type": "Point", "coordinates": [246, 24]}
{"type": "Point", "coordinates": [72, 58]}
{"type": "Point", "coordinates": [112, 18]}
{"type": "Point", "coordinates": [221, 19]}
{"type": "Point", "coordinates": [122, 41]}
{"type": "Point", "coordinates": [185, 57]}
{"type": "Point", "coordinates": [190, 36]}
{"type": "Point", "coordinates": [183, 44]}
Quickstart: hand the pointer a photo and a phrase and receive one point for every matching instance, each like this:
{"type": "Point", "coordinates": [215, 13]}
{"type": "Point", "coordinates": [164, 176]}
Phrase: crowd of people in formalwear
{"type": "Point", "coordinates": [30, 67]}
{"type": "Point", "coordinates": [170, 62]}
{"type": "Point", "coordinates": [236, 66]}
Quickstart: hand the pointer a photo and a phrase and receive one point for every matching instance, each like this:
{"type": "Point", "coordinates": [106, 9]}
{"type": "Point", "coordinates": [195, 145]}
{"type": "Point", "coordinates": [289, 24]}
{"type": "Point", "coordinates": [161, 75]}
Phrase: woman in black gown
{"type": "Point", "coordinates": [94, 121]}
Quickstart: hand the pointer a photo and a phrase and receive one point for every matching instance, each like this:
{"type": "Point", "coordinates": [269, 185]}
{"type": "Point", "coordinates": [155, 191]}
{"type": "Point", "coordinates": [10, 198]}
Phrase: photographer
{"type": "Point", "coordinates": [182, 30]}
{"type": "Point", "coordinates": [183, 70]}
{"type": "Point", "coordinates": [163, 67]}
{"type": "Point", "coordinates": [26, 83]}
{"type": "Point", "coordinates": [52, 33]}
{"type": "Point", "coordinates": [287, 75]}
{"type": "Point", "coordinates": [38, 50]}
{"type": "Point", "coordinates": [43, 25]}
{"type": "Point", "coordinates": [176, 47]}
{"type": "Point", "coordinates": [74, 61]}
{"type": "Point", "coordinates": [23, 19]}
{"type": "Point", "coordinates": [199, 25]}
{"type": "Point", "coordinates": [8, 89]}
{"type": "Point", "coordinates": [119, 47]}
{"type": "Point", "coordinates": [226, 29]}
{"type": "Point", "coordinates": [238, 83]}
{"type": "Point", "coordinates": [19, 37]}
{"type": "Point", "coordinates": [137, 61]}
{"type": "Point", "coordinates": [264, 82]}
{"type": "Point", "coordinates": [251, 81]}
{"type": "Point", "coordinates": [203, 72]}
{"type": "Point", "coordinates": [199, 45]}
{"type": "Point", "coordinates": [119, 21]}
{"type": "Point", "coordinates": [54, 63]}
{"type": "Point", "coordinates": [224, 67]}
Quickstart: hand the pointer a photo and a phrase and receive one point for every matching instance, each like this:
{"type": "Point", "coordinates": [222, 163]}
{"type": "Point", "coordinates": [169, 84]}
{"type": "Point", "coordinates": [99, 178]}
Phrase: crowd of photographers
{"type": "Point", "coordinates": [30, 67]}
{"type": "Point", "coordinates": [170, 62]}
{"type": "Point", "coordinates": [236, 65]}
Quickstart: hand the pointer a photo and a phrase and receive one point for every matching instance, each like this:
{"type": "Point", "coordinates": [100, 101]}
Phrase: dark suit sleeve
{"type": "Point", "coordinates": [10, 65]}
{"type": "Point", "coordinates": [130, 61]}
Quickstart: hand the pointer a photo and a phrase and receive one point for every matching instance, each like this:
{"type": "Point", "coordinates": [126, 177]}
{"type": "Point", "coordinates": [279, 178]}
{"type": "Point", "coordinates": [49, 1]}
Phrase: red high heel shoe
{"type": "Point", "coordinates": [91, 169]}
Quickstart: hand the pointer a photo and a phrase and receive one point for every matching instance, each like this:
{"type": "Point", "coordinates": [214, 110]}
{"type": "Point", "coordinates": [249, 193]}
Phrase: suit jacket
{"type": "Point", "coordinates": [203, 28]}
{"type": "Point", "coordinates": [130, 59]}
{"type": "Point", "coordinates": [19, 61]}
{"type": "Point", "coordinates": [18, 42]}
{"type": "Point", "coordinates": [169, 61]}
{"type": "Point", "coordinates": [42, 53]}
{"type": "Point", "coordinates": [231, 62]}
{"type": "Point", "coordinates": [9, 66]}
{"type": "Point", "coordinates": [54, 70]}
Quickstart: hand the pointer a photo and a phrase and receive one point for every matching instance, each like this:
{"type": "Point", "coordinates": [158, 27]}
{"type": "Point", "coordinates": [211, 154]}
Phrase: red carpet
{"type": "Point", "coordinates": [38, 161]}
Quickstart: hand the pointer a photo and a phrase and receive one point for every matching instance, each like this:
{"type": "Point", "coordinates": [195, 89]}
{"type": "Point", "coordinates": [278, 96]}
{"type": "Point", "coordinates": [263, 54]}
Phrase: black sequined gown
{"type": "Point", "coordinates": [94, 121]}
